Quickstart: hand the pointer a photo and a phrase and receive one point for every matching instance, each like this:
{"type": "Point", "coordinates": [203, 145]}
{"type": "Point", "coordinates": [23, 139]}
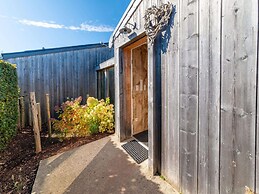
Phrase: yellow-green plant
{"type": "Point", "coordinates": [80, 120]}
{"type": "Point", "coordinates": [100, 114]}
{"type": "Point", "coordinates": [71, 120]}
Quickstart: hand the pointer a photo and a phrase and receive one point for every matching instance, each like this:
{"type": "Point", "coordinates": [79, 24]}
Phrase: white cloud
{"type": "Point", "coordinates": [93, 28]}
{"type": "Point", "coordinates": [41, 24]}
{"type": "Point", "coordinates": [73, 28]}
{"type": "Point", "coordinates": [82, 27]}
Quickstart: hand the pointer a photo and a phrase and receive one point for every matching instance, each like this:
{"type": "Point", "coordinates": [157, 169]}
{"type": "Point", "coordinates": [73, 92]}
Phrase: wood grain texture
{"type": "Point", "coordinates": [170, 99]}
{"type": "Point", "coordinates": [209, 95]}
{"type": "Point", "coordinates": [209, 67]}
{"type": "Point", "coordinates": [139, 89]}
{"type": "Point", "coordinates": [22, 114]}
{"type": "Point", "coordinates": [238, 95]}
{"type": "Point", "coordinates": [188, 96]}
{"type": "Point", "coordinates": [151, 116]}
{"type": "Point", "coordinates": [35, 119]}
{"type": "Point", "coordinates": [60, 74]}
{"type": "Point", "coordinates": [119, 106]}
{"type": "Point", "coordinates": [48, 115]}
{"type": "Point", "coordinates": [39, 116]}
{"type": "Point", "coordinates": [127, 90]}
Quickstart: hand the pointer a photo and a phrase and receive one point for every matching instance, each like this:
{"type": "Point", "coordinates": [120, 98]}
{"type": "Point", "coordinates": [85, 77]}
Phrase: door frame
{"type": "Point", "coordinates": [122, 125]}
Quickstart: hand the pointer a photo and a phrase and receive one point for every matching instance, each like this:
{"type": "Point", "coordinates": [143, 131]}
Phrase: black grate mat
{"type": "Point", "coordinates": [136, 151]}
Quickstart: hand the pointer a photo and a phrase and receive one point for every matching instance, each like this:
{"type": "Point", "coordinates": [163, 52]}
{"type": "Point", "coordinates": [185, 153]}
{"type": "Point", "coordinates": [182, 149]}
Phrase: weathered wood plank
{"type": "Point", "coordinates": [238, 95]}
{"type": "Point", "coordinates": [41, 85]}
{"type": "Point", "coordinates": [26, 87]}
{"type": "Point", "coordinates": [257, 122]}
{"type": "Point", "coordinates": [91, 75]}
{"type": "Point", "coordinates": [22, 112]}
{"type": "Point", "coordinates": [139, 89]}
{"type": "Point", "coordinates": [61, 77]}
{"type": "Point", "coordinates": [36, 130]}
{"type": "Point", "coordinates": [47, 100]}
{"type": "Point", "coordinates": [151, 108]}
{"type": "Point", "coordinates": [164, 113]}
{"type": "Point", "coordinates": [39, 116]}
{"type": "Point", "coordinates": [170, 100]}
{"type": "Point", "coordinates": [188, 96]}
{"type": "Point", "coordinates": [127, 90]}
{"type": "Point", "coordinates": [118, 97]}
{"type": "Point", "coordinates": [52, 83]}
{"type": "Point", "coordinates": [209, 95]}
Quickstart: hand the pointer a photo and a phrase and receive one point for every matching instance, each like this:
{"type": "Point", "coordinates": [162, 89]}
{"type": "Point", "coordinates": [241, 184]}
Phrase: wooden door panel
{"type": "Point", "coordinates": [139, 89]}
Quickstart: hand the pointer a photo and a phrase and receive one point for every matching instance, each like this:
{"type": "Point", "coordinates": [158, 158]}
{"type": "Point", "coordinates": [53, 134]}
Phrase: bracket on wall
{"type": "Point", "coordinates": [156, 18]}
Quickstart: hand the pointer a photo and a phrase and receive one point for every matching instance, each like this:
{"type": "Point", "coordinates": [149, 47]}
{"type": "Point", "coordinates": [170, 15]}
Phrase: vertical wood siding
{"type": "Point", "coordinates": [208, 58]}
{"type": "Point", "coordinates": [209, 96]}
{"type": "Point", "coordinates": [61, 74]}
{"type": "Point", "coordinates": [188, 112]}
{"type": "Point", "coordinates": [238, 95]}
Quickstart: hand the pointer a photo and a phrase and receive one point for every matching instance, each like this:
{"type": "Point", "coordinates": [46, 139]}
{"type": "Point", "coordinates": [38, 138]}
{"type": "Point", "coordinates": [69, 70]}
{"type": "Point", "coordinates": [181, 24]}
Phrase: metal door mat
{"type": "Point", "coordinates": [136, 151]}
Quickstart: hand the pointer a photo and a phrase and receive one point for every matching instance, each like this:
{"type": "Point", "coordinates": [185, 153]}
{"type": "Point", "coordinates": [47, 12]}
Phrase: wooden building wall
{"type": "Point", "coordinates": [65, 72]}
{"type": "Point", "coordinates": [203, 69]}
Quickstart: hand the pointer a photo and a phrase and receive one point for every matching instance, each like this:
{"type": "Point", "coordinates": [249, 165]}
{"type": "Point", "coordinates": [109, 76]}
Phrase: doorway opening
{"type": "Point", "coordinates": [135, 60]}
{"type": "Point", "coordinates": [139, 93]}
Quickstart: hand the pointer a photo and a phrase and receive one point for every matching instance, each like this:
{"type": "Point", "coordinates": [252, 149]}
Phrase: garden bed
{"type": "Point", "coordinates": [19, 163]}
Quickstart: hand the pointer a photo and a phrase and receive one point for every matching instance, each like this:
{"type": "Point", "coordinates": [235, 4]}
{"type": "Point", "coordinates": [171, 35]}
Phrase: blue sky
{"type": "Point", "coordinates": [33, 24]}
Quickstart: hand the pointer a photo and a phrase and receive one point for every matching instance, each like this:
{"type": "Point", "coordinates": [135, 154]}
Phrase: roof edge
{"type": "Point", "coordinates": [43, 51]}
{"type": "Point", "coordinates": [106, 64]}
{"type": "Point", "coordinates": [124, 19]}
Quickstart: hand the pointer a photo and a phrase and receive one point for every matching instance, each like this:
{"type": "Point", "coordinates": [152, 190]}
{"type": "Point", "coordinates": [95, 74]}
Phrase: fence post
{"type": "Point", "coordinates": [22, 112]}
{"type": "Point", "coordinates": [48, 114]}
{"type": "Point", "coordinates": [35, 122]}
{"type": "Point", "coordinates": [19, 115]}
{"type": "Point", "coordinates": [39, 116]}
{"type": "Point", "coordinates": [30, 114]}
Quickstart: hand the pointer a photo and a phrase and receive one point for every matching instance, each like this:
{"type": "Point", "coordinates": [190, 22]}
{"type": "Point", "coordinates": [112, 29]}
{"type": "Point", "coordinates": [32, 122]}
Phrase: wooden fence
{"type": "Point", "coordinates": [61, 72]}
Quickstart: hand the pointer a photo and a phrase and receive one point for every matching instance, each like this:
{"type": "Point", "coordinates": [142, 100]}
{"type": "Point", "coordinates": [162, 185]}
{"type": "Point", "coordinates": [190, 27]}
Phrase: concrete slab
{"type": "Point", "coordinates": [99, 167]}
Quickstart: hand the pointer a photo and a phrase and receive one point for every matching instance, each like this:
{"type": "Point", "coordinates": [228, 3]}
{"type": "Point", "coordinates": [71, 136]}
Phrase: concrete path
{"type": "Point", "coordinates": [98, 167]}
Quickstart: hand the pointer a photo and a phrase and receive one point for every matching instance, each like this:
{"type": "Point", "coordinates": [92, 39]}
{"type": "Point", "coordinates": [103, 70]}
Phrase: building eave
{"type": "Point", "coordinates": [124, 19]}
{"type": "Point", "coordinates": [51, 50]}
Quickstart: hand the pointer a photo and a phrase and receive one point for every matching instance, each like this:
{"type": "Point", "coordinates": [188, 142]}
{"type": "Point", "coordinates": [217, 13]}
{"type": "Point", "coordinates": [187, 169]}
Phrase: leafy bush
{"type": "Point", "coordinates": [81, 120]}
{"type": "Point", "coordinates": [101, 114]}
{"type": "Point", "coordinates": [8, 102]}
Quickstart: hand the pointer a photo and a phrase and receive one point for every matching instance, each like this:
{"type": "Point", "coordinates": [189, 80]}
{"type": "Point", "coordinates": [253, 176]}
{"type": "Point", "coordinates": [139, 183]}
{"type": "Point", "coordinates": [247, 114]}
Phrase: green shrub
{"type": "Point", "coordinates": [101, 114]}
{"type": "Point", "coordinates": [81, 120]}
{"type": "Point", "coordinates": [8, 102]}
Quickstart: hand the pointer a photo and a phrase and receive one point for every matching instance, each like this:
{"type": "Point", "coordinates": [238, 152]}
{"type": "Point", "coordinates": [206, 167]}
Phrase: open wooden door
{"type": "Point", "coordinates": [139, 89]}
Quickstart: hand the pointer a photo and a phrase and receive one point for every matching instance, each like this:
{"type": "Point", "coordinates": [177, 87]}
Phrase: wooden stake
{"type": "Point", "coordinates": [22, 112]}
{"type": "Point", "coordinates": [35, 122]}
{"type": "Point", "coordinates": [30, 115]}
{"type": "Point", "coordinates": [39, 116]}
{"type": "Point", "coordinates": [19, 115]}
{"type": "Point", "coordinates": [48, 114]}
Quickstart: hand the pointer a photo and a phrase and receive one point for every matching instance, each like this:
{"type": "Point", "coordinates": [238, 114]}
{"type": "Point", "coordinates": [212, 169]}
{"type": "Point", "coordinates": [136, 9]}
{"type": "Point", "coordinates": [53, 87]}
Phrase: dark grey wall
{"type": "Point", "coordinates": [60, 72]}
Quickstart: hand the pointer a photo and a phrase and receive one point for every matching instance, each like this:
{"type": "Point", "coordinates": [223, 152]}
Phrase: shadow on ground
{"type": "Point", "coordinates": [109, 170]}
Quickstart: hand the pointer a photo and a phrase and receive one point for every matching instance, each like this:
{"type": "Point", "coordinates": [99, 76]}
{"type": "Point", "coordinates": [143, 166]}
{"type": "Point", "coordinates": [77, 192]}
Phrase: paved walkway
{"type": "Point", "coordinates": [98, 167]}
